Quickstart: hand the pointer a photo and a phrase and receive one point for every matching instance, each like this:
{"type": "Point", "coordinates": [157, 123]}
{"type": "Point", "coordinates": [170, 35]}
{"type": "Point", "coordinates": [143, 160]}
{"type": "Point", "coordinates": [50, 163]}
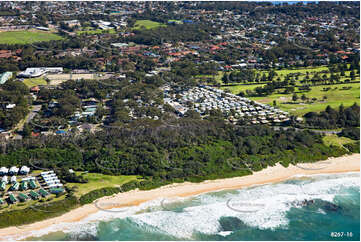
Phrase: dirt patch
{"type": "Point", "coordinates": [264, 100]}
{"type": "Point", "coordinates": [59, 77]}
{"type": "Point", "coordinates": [284, 98]}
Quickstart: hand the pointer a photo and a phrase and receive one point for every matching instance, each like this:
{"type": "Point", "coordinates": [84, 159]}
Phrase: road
{"type": "Point", "coordinates": [313, 130]}
{"type": "Point", "coordinates": [34, 110]}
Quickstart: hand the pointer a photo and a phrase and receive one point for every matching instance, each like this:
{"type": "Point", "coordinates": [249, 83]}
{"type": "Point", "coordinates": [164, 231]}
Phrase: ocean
{"type": "Point", "coordinates": [318, 207]}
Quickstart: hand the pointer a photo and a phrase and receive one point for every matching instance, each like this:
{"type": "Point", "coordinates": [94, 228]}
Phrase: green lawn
{"type": "Point", "coordinates": [298, 70]}
{"type": "Point", "coordinates": [148, 24]}
{"type": "Point", "coordinates": [32, 82]}
{"type": "Point", "coordinates": [239, 88]}
{"type": "Point", "coordinates": [26, 37]}
{"type": "Point", "coordinates": [97, 181]}
{"type": "Point", "coordinates": [336, 141]}
{"type": "Point", "coordinates": [217, 77]}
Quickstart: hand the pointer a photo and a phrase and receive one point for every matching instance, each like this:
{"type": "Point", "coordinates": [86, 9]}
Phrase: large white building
{"type": "Point", "coordinates": [39, 71]}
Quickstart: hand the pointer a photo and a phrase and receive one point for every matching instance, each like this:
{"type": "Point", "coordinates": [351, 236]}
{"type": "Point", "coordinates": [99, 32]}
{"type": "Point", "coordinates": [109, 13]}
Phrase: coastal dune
{"type": "Point", "coordinates": [350, 163]}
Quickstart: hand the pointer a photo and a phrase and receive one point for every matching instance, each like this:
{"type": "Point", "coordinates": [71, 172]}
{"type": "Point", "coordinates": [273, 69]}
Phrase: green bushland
{"type": "Point", "coordinates": [334, 118]}
{"type": "Point", "coordinates": [334, 140]}
{"type": "Point", "coordinates": [353, 147]}
{"type": "Point", "coordinates": [197, 150]}
{"type": "Point", "coordinates": [352, 133]}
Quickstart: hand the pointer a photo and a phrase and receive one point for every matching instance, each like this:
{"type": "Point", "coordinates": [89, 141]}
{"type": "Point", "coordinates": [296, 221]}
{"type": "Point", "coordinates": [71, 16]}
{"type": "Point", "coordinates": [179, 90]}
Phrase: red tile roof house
{"type": "Point", "coordinates": [215, 47]}
{"type": "Point", "coordinates": [35, 89]}
{"type": "Point", "coordinates": [5, 53]}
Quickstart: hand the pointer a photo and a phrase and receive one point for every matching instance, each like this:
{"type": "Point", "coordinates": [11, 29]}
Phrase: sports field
{"type": "Point", "coordinates": [147, 24]}
{"type": "Point", "coordinates": [26, 37]}
{"type": "Point", "coordinates": [32, 82]}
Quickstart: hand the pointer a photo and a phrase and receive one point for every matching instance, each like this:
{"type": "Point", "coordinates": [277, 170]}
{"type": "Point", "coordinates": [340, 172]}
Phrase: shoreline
{"type": "Point", "coordinates": [278, 173]}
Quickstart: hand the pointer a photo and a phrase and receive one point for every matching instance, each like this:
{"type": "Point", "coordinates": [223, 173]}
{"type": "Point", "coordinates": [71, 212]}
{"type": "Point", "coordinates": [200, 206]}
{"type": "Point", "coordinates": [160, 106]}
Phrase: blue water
{"type": "Point", "coordinates": [306, 208]}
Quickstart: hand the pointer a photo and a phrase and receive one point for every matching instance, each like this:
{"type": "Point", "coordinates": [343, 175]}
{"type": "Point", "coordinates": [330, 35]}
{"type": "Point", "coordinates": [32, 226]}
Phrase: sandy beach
{"type": "Point", "coordinates": [274, 174]}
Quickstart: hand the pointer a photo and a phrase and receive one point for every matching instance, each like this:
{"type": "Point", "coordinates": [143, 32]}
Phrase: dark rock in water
{"type": "Point", "coordinates": [318, 203]}
{"type": "Point", "coordinates": [331, 207]}
{"type": "Point", "coordinates": [232, 224]}
{"type": "Point", "coordinates": [303, 203]}
{"type": "Point", "coordinates": [82, 237]}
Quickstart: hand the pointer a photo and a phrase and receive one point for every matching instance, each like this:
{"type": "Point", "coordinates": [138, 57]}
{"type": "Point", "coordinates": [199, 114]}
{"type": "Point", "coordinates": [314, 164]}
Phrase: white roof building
{"type": "Point", "coordinates": [10, 106]}
{"type": "Point", "coordinates": [24, 170]}
{"type": "Point", "coordinates": [4, 170]}
{"type": "Point", "coordinates": [38, 71]}
{"type": "Point", "coordinates": [14, 170]}
{"type": "Point", "coordinates": [13, 179]}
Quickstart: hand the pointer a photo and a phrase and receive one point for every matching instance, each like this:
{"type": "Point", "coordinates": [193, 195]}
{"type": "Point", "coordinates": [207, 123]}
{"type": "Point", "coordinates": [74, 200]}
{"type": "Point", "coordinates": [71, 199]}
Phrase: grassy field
{"type": "Point", "coordinates": [239, 88]}
{"type": "Point", "coordinates": [97, 181]}
{"type": "Point", "coordinates": [298, 70]}
{"type": "Point", "coordinates": [26, 37]}
{"type": "Point", "coordinates": [148, 24]}
{"type": "Point", "coordinates": [32, 82]}
{"type": "Point", "coordinates": [217, 77]}
{"type": "Point", "coordinates": [336, 141]}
